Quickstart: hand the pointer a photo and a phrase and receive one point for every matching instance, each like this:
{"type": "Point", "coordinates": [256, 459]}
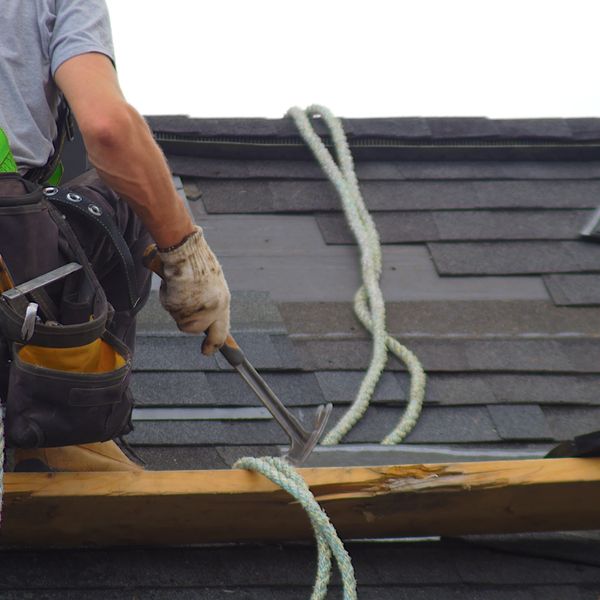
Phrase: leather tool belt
{"type": "Point", "coordinates": [64, 379]}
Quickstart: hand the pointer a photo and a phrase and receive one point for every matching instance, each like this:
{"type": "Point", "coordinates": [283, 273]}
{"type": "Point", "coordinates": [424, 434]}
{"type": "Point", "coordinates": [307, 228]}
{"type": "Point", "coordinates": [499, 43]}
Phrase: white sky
{"type": "Point", "coordinates": [235, 58]}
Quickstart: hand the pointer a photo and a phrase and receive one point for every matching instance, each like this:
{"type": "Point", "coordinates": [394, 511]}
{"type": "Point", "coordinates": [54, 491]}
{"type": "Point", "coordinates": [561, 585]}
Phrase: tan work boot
{"type": "Point", "coordinates": [100, 456]}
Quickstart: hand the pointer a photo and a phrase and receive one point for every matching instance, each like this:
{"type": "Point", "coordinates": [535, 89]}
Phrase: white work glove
{"type": "Point", "coordinates": [194, 290]}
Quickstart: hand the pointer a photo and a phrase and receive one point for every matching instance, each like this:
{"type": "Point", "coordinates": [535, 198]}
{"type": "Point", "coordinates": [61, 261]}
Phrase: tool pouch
{"type": "Point", "coordinates": [64, 379]}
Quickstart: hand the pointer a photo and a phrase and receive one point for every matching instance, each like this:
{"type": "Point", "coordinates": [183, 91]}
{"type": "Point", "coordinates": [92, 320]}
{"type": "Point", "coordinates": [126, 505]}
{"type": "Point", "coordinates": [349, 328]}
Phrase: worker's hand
{"type": "Point", "coordinates": [194, 291]}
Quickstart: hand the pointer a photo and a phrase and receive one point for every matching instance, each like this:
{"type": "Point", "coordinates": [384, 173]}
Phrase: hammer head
{"type": "Point", "coordinates": [300, 449]}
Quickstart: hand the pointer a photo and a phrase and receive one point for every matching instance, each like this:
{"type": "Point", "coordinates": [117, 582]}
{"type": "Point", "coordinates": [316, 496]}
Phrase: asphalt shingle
{"type": "Point", "coordinates": [182, 353]}
{"type": "Point", "coordinates": [574, 290]}
{"type": "Point", "coordinates": [410, 227]}
{"type": "Point", "coordinates": [294, 389]}
{"type": "Point", "coordinates": [526, 422]}
{"type": "Point", "coordinates": [215, 168]}
{"type": "Point", "coordinates": [569, 422]}
{"type": "Point", "coordinates": [260, 196]}
{"type": "Point", "coordinates": [173, 389]}
{"type": "Point", "coordinates": [459, 355]}
{"type": "Point", "coordinates": [514, 258]}
{"type": "Point", "coordinates": [342, 386]}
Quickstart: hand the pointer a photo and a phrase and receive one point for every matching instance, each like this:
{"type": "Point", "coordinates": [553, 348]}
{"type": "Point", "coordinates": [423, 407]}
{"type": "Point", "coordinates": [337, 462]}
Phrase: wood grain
{"type": "Point", "coordinates": [184, 507]}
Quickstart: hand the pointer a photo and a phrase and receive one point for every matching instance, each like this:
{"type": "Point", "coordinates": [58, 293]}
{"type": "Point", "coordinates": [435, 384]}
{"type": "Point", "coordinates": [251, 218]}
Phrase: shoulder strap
{"type": "Point", "coordinates": [76, 203]}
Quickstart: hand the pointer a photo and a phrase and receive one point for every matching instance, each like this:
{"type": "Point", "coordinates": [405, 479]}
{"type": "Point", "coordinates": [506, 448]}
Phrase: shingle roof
{"type": "Point", "coordinates": [487, 281]}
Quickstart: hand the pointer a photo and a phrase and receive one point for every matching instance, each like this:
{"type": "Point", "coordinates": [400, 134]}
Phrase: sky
{"type": "Point", "coordinates": [361, 58]}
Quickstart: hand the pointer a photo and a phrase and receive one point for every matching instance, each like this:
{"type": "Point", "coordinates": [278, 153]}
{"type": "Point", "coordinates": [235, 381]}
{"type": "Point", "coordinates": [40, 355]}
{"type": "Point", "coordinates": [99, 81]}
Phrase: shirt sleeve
{"type": "Point", "coordinates": [81, 26]}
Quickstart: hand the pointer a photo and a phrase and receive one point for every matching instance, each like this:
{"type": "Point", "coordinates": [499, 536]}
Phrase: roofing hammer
{"type": "Point", "coordinates": [302, 442]}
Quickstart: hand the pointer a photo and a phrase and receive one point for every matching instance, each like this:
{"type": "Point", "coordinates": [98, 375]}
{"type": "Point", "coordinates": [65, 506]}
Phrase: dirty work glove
{"type": "Point", "coordinates": [194, 290]}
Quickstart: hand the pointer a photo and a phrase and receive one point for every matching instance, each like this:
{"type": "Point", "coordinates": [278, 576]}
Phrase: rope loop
{"type": "Point", "coordinates": [282, 474]}
{"type": "Point", "coordinates": [369, 304]}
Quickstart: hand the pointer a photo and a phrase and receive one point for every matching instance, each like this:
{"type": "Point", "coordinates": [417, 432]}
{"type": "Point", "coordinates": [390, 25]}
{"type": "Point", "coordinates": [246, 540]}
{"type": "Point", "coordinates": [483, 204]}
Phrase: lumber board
{"type": "Point", "coordinates": [190, 507]}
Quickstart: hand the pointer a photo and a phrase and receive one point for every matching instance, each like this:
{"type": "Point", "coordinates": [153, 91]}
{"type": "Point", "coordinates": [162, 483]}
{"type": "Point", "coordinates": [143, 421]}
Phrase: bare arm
{"type": "Point", "coordinates": [121, 147]}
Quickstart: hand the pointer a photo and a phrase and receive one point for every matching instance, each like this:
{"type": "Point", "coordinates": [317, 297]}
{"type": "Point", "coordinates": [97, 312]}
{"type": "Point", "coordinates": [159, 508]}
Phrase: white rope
{"type": "Point", "coordinates": [369, 305]}
{"type": "Point", "coordinates": [328, 541]}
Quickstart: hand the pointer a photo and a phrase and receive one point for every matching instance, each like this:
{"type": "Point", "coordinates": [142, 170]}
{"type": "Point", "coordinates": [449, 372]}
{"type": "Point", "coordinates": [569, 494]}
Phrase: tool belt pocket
{"type": "Point", "coordinates": [64, 396]}
{"type": "Point", "coordinates": [63, 377]}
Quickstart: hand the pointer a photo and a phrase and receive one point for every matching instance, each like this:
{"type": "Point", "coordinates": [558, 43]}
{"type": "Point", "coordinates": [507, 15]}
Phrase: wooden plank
{"type": "Point", "coordinates": [183, 507]}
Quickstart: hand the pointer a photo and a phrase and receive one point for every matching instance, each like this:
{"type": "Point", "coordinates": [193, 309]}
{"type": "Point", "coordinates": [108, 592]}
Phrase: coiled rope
{"type": "Point", "coordinates": [328, 541]}
{"type": "Point", "coordinates": [369, 305]}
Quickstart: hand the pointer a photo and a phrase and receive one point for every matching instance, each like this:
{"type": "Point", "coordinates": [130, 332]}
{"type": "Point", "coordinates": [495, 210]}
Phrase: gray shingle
{"type": "Point", "coordinates": [230, 454]}
{"type": "Point", "coordinates": [509, 225]}
{"type": "Point", "coordinates": [293, 389]}
{"type": "Point", "coordinates": [173, 389]}
{"type": "Point", "coordinates": [526, 422]}
{"type": "Point", "coordinates": [408, 274]}
{"type": "Point", "coordinates": [254, 310]}
{"type": "Point", "coordinates": [263, 235]}
{"type": "Point", "coordinates": [569, 422]}
{"type": "Point", "coordinates": [354, 355]}
{"type": "Point", "coordinates": [444, 355]}
{"type": "Point", "coordinates": [583, 354]}
{"type": "Point", "coordinates": [398, 128]}
{"type": "Point", "coordinates": [479, 569]}
{"type": "Point", "coordinates": [214, 168]}
{"type": "Point", "coordinates": [205, 433]}
{"type": "Point", "coordinates": [517, 355]}
{"type": "Point", "coordinates": [177, 458]}
{"type": "Point", "coordinates": [475, 318]}
{"type": "Point", "coordinates": [253, 592]}
{"type": "Point", "coordinates": [513, 258]}
{"type": "Point", "coordinates": [342, 386]}
{"type": "Point", "coordinates": [436, 425]}
{"type": "Point", "coordinates": [574, 290]}
{"type": "Point", "coordinates": [513, 388]}
{"type": "Point", "coordinates": [456, 389]}
{"type": "Point", "coordinates": [545, 389]}
{"type": "Point", "coordinates": [431, 570]}
{"type": "Point", "coordinates": [410, 227]}
{"type": "Point", "coordinates": [258, 196]}
{"type": "Point", "coordinates": [182, 353]}
{"type": "Point", "coordinates": [250, 311]}
{"type": "Point", "coordinates": [171, 353]}
{"type": "Point", "coordinates": [393, 227]}
{"type": "Point", "coordinates": [536, 129]}
{"type": "Point", "coordinates": [463, 127]}
{"type": "Point", "coordinates": [579, 546]}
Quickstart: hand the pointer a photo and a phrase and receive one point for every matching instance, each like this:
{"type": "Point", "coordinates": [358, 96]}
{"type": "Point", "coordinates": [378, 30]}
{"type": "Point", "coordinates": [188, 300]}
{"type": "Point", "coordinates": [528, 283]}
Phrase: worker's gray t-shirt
{"type": "Point", "coordinates": [36, 37]}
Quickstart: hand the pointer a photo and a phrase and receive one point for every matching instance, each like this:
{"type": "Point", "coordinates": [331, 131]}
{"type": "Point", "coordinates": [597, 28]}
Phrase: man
{"type": "Point", "coordinates": [54, 47]}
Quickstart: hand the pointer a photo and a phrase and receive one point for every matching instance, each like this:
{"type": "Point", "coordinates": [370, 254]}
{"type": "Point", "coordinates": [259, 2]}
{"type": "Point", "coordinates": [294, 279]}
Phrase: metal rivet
{"type": "Point", "coordinates": [95, 210]}
{"type": "Point", "coordinates": [73, 197]}
{"type": "Point", "coordinates": [50, 191]}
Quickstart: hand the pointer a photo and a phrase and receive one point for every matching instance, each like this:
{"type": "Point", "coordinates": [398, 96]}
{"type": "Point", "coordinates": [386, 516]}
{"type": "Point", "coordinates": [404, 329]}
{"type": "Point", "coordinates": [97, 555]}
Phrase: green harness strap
{"type": "Point", "coordinates": [7, 162]}
{"type": "Point", "coordinates": [8, 165]}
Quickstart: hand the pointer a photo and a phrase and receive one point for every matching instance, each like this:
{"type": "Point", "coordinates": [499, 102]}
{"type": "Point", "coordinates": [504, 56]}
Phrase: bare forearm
{"type": "Point", "coordinates": [120, 145]}
{"type": "Point", "coordinates": [131, 163]}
